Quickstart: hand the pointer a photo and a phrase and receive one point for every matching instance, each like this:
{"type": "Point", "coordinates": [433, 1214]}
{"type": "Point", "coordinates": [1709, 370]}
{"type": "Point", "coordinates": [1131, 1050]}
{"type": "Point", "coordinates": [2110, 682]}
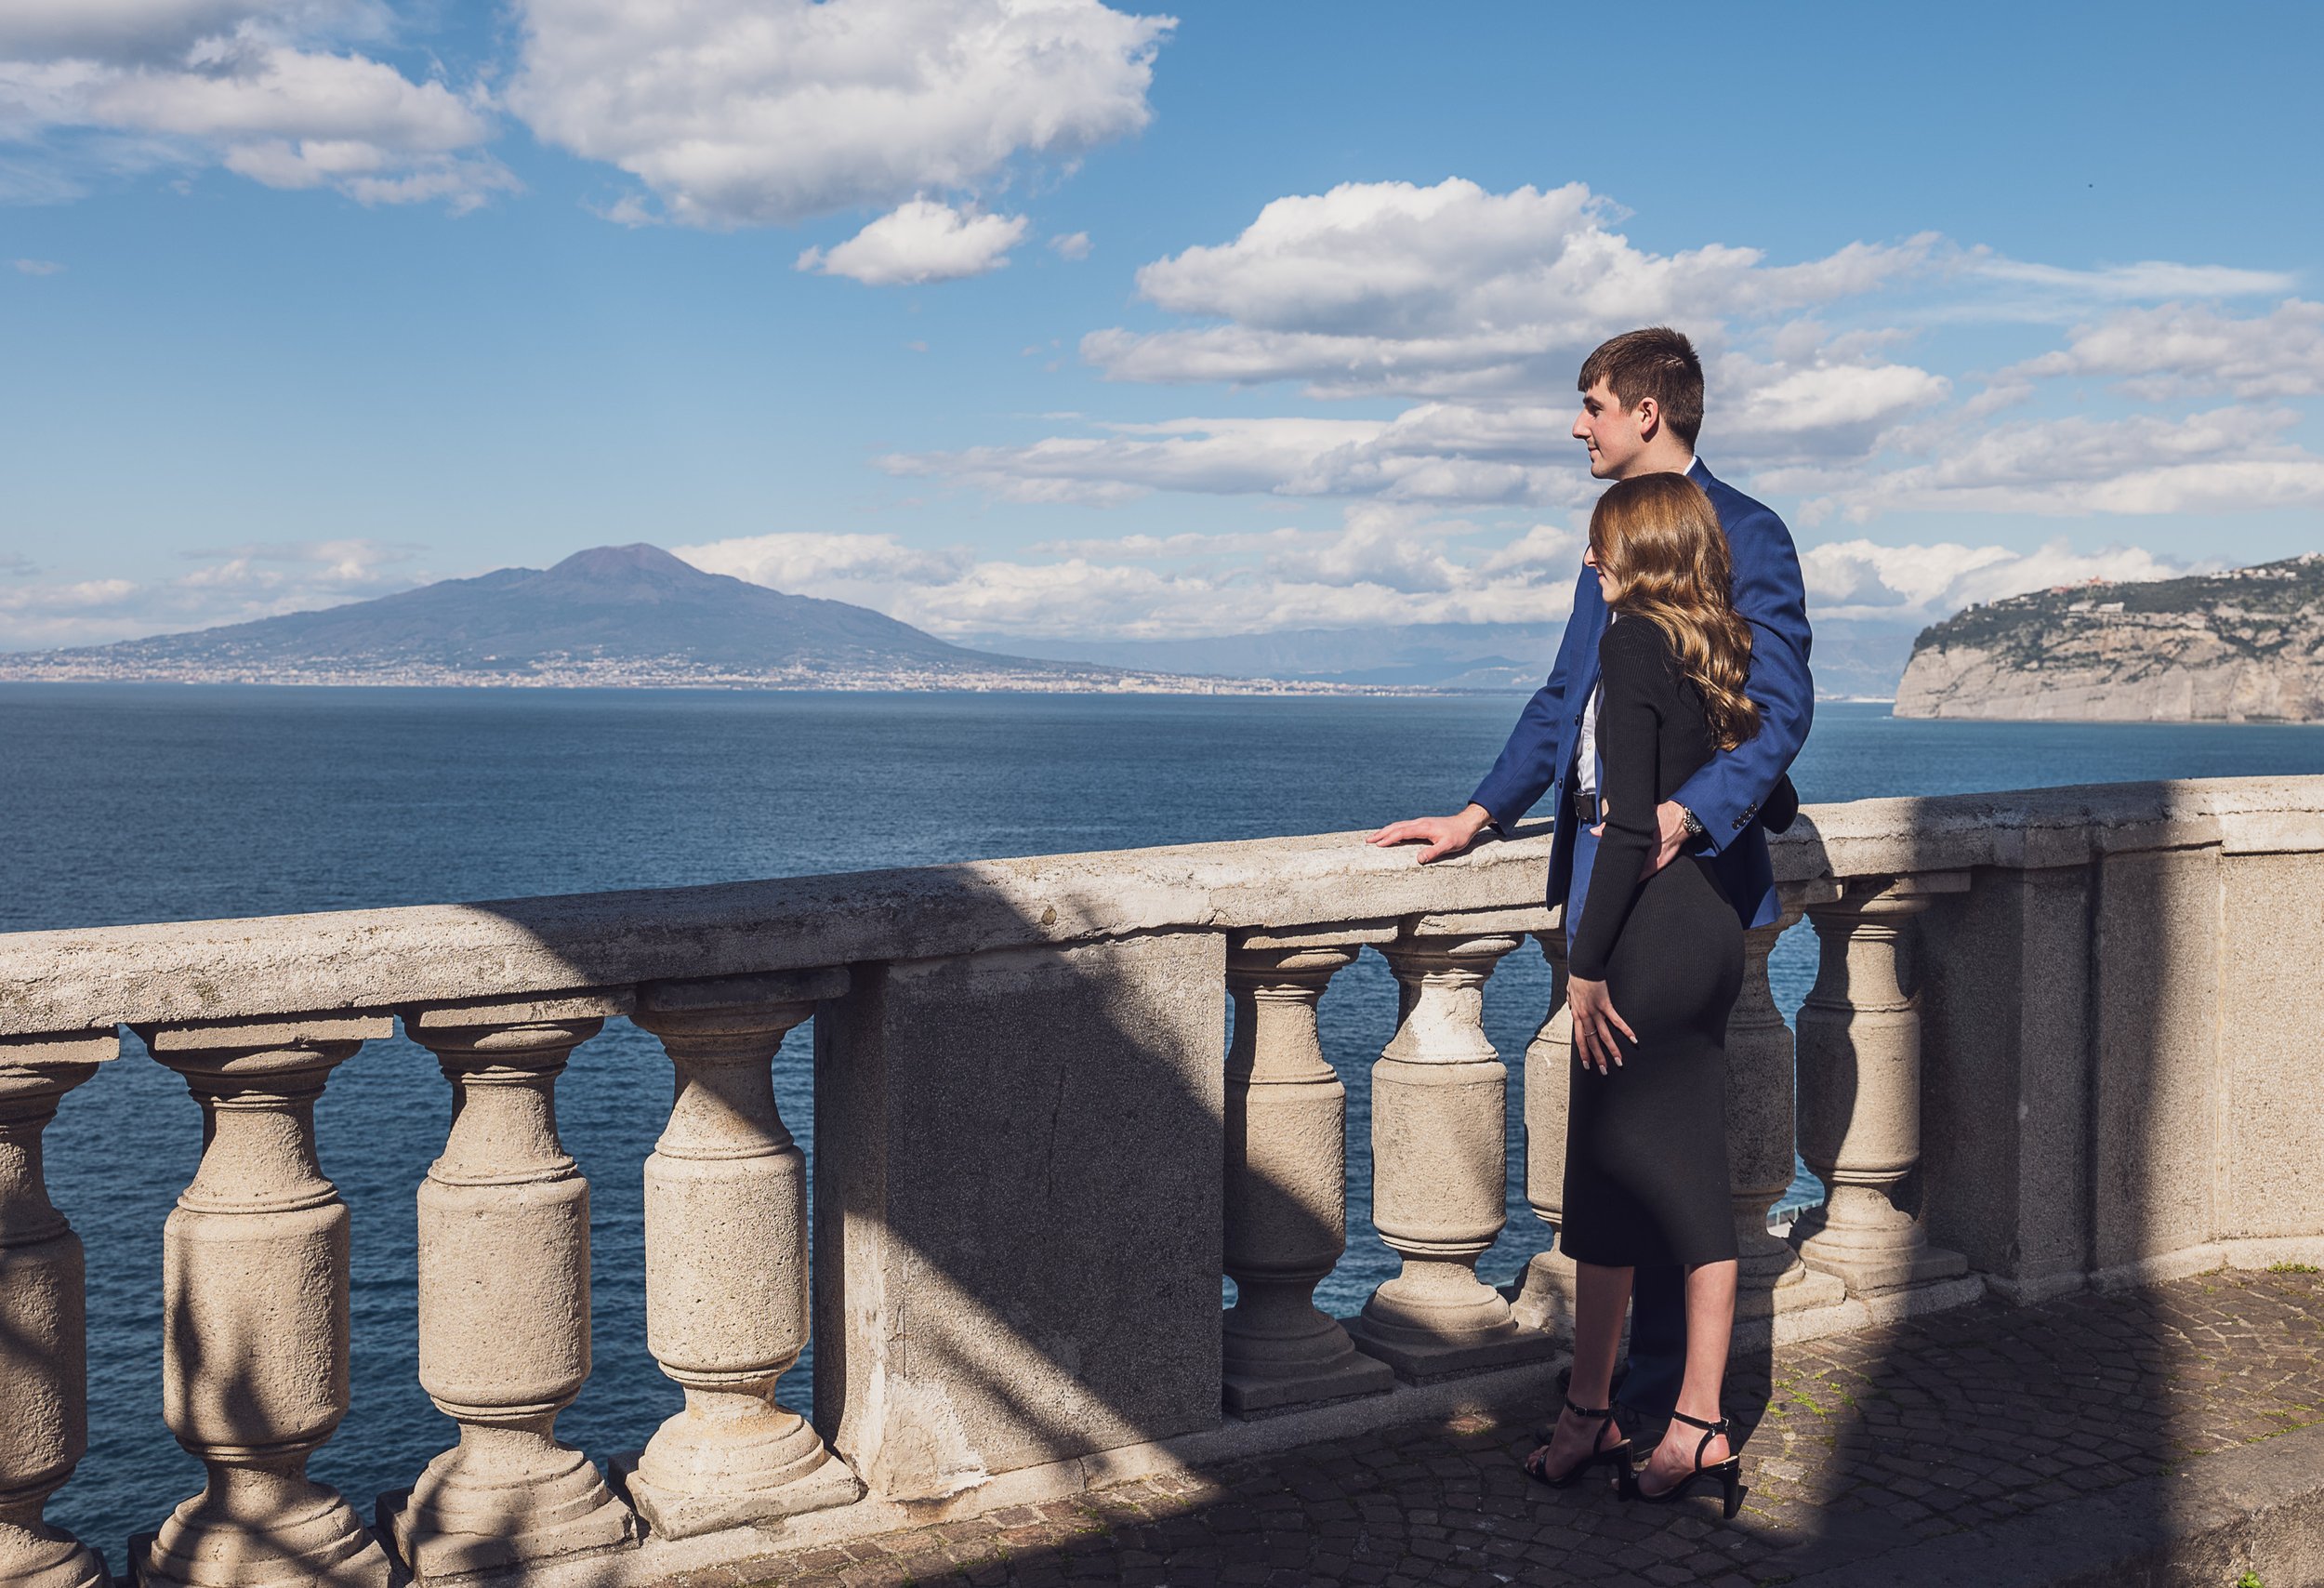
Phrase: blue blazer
{"type": "Point", "coordinates": [1727, 793]}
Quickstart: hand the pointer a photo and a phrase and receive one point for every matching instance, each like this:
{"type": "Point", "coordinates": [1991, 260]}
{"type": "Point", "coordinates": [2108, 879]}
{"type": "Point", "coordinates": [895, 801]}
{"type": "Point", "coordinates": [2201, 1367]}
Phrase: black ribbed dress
{"type": "Point", "coordinates": [1646, 1144]}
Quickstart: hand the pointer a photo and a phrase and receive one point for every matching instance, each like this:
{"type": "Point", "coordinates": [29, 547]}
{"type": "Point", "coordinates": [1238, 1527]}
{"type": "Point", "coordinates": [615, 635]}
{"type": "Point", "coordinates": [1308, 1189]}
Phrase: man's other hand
{"type": "Point", "coordinates": [1444, 835]}
{"type": "Point", "coordinates": [1671, 827]}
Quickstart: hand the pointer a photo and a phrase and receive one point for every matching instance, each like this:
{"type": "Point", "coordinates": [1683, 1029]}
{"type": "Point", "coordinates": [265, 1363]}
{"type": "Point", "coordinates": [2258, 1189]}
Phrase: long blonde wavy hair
{"type": "Point", "coordinates": [1658, 543]}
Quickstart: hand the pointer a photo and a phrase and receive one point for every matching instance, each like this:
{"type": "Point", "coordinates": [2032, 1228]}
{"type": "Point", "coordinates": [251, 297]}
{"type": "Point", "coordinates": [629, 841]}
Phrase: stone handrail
{"type": "Point", "coordinates": [75, 979]}
{"type": "Point", "coordinates": [2057, 1039]}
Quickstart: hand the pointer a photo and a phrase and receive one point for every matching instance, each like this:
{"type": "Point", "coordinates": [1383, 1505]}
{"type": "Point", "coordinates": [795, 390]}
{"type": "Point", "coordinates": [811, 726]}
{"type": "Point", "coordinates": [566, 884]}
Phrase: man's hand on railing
{"type": "Point", "coordinates": [1444, 835]}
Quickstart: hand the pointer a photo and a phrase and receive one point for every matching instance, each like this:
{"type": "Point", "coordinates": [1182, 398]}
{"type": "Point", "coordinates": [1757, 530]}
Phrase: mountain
{"type": "Point", "coordinates": [1419, 655]}
{"type": "Point", "coordinates": [2244, 645]}
{"type": "Point", "coordinates": [614, 615]}
{"type": "Point", "coordinates": [1855, 660]}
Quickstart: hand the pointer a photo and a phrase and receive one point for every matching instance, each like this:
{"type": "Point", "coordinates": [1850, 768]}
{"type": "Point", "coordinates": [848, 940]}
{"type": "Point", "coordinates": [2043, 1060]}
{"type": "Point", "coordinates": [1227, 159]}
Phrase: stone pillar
{"type": "Point", "coordinates": [1761, 1091]}
{"type": "Point", "coordinates": [1547, 1300]}
{"type": "Point", "coordinates": [44, 1340]}
{"type": "Point", "coordinates": [1440, 1168]}
{"type": "Point", "coordinates": [254, 1313]}
{"type": "Point", "coordinates": [726, 1297]}
{"type": "Point", "coordinates": [504, 1301]}
{"type": "Point", "coordinates": [1287, 1183]}
{"type": "Point", "coordinates": [1859, 1045]}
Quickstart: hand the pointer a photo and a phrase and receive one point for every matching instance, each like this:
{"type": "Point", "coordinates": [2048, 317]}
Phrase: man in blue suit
{"type": "Point", "coordinates": [1642, 405]}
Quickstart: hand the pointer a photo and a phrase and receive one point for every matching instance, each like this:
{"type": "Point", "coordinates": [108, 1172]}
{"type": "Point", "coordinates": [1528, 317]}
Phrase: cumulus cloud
{"type": "Point", "coordinates": [752, 112]}
{"type": "Point", "coordinates": [1442, 453]}
{"type": "Point", "coordinates": [1920, 583]}
{"type": "Point", "coordinates": [1476, 307]}
{"type": "Point", "coordinates": [920, 242]}
{"type": "Point", "coordinates": [265, 87]}
{"type": "Point", "coordinates": [2144, 280]}
{"type": "Point", "coordinates": [1450, 290]}
{"type": "Point", "coordinates": [228, 584]}
{"type": "Point", "coordinates": [1383, 564]}
{"type": "Point", "coordinates": [2178, 348]}
{"type": "Point", "coordinates": [1071, 245]}
{"type": "Point", "coordinates": [2227, 460]}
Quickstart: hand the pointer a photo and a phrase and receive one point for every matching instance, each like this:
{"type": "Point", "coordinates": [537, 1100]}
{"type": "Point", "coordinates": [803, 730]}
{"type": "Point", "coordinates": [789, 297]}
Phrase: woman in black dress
{"type": "Point", "coordinates": [1656, 964]}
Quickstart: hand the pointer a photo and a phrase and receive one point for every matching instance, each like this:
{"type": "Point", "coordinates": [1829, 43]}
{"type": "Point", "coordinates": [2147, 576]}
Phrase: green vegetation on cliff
{"type": "Point", "coordinates": [2248, 644]}
{"type": "Point", "coordinates": [2257, 610]}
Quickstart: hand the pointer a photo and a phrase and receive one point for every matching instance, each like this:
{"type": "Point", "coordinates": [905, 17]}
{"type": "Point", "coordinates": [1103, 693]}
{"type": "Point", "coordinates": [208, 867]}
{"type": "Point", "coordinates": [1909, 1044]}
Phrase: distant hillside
{"type": "Point", "coordinates": [1419, 655]}
{"type": "Point", "coordinates": [2245, 644]}
{"type": "Point", "coordinates": [614, 615]}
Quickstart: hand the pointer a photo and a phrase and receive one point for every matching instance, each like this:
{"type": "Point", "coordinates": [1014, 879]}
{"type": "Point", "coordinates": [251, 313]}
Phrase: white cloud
{"type": "Point", "coordinates": [2135, 282]}
{"type": "Point", "coordinates": [1071, 245]}
{"type": "Point", "coordinates": [1384, 564]}
{"type": "Point", "coordinates": [232, 585]}
{"type": "Point", "coordinates": [37, 267]}
{"type": "Point", "coordinates": [1920, 583]}
{"type": "Point", "coordinates": [266, 89]}
{"type": "Point", "coordinates": [2176, 347]}
{"type": "Point", "coordinates": [1450, 290]}
{"type": "Point", "coordinates": [920, 242]}
{"type": "Point", "coordinates": [753, 112]}
{"type": "Point", "coordinates": [1479, 306]}
{"type": "Point", "coordinates": [1437, 453]}
{"type": "Point", "coordinates": [2227, 460]}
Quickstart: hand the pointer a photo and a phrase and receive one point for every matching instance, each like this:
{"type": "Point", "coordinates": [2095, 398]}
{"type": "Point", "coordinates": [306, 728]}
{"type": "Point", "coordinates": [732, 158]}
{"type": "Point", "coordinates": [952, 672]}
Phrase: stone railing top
{"type": "Point", "coordinates": [78, 980]}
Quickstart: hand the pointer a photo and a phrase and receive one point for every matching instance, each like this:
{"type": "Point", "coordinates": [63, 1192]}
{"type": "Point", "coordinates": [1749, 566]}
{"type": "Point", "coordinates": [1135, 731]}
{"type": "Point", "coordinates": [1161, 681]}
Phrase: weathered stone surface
{"type": "Point", "coordinates": [2004, 971]}
{"type": "Point", "coordinates": [1440, 1169]}
{"type": "Point", "coordinates": [43, 1341]}
{"type": "Point", "coordinates": [504, 1307]}
{"type": "Point", "coordinates": [726, 1264]}
{"type": "Point", "coordinates": [2079, 1441]}
{"type": "Point", "coordinates": [2271, 1044]}
{"type": "Point", "coordinates": [255, 1316]}
{"type": "Point", "coordinates": [431, 954]}
{"type": "Point", "coordinates": [1018, 1208]}
{"type": "Point", "coordinates": [2156, 1081]}
{"type": "Point", "coordinates": [1287, 1188]}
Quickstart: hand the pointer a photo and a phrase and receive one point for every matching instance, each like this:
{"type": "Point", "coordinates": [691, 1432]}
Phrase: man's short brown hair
{"type": "Point", "coordinates": [1656, 363]}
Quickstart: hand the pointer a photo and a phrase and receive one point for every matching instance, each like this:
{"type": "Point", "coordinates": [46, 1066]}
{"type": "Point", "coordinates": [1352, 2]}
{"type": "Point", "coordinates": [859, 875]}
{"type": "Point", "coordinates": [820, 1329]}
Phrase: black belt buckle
{"type": "Point", "coordinates": [1587, 809]}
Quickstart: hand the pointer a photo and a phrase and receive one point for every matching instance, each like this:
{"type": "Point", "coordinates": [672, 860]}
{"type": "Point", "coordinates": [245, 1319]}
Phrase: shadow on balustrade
{"type": "Point", "coordinates": [1021, 1155]}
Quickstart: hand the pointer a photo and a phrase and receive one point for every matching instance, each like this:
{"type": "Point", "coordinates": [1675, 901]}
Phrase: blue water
{"type": "Point", "coordinates": [128, 804]}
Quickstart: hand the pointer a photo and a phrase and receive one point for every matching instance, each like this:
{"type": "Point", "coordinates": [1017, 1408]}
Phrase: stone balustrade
{"type": "Point", "coordinates": [2057, 1039]}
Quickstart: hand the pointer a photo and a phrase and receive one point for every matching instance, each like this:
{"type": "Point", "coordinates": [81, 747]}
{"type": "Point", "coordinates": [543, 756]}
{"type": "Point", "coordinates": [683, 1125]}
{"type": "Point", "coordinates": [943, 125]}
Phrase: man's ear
{"type": "Point", "coordinates": [1649, 415]}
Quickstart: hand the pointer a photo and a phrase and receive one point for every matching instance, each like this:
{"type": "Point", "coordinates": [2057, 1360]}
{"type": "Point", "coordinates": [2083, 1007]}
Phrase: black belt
{"type": "Point", "coordinates": [1588, 808]}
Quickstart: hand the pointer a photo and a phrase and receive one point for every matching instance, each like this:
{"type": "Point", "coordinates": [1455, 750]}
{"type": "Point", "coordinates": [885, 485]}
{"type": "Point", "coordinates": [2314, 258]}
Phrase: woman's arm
{"type": "Point", "coordinates": [1630, 768]}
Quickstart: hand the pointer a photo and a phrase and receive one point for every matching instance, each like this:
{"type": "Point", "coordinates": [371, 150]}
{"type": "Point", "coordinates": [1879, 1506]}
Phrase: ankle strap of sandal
{"type": "Point", "coordinates": [1710, 1431]}
{"type": "Point", "coordinates": [1580, 1411]}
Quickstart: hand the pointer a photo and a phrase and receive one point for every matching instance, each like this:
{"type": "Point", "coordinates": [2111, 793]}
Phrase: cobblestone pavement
{"type": "Point", "coordinates": [1867, 1442]}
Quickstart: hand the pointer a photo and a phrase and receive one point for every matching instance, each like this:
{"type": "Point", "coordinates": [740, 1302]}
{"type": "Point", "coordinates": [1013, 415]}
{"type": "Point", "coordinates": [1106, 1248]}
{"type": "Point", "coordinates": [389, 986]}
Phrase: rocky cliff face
{"type": "Point", "coordinates": [2228, 647]}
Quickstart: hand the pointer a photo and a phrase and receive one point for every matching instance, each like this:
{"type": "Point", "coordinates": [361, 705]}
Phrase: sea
{"type": "Point", "coordinates": [162, 802]}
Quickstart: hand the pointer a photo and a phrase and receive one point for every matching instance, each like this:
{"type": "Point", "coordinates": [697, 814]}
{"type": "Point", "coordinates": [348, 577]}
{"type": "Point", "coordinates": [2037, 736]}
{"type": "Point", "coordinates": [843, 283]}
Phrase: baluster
{"type": "Point", "coordinates": [1760, 1093]}
{"type": "Point", "coordinates": [1547, 1300]}
{"type": "Point", "coordinates": [726, 1262]}
{"type": "Point", "coordinates": [1860, 1091]}
{"type": "Point", "coordinates": [254, 1312]}
{"type": "Point", "coordinates": [1440, 1167]}
{"type": "Point", "coordinates": [44, 1337]}
{"type": "Point", "coordinates": [504, 1300]}
{"type": "Point", "coordinates": [1286, 1183]}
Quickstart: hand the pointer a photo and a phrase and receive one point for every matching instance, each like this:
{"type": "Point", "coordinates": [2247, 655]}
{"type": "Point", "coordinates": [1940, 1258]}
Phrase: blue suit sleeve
{"type": "Point", "coordinates": [1528, 761]}
{"type": "Point", "coordinates": [1770, 595]}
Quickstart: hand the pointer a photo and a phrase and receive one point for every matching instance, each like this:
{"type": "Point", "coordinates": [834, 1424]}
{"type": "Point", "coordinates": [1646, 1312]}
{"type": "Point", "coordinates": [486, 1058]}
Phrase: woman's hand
{"type": "Point", "coordinates": [1595, 1022]}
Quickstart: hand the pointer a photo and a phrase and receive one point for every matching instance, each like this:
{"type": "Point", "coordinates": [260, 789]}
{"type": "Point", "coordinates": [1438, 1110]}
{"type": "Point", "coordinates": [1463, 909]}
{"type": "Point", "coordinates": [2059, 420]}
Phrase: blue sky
{"type": "Point", "coordinates": [1260, 317]}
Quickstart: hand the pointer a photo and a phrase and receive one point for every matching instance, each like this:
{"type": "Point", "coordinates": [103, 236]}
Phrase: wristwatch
{"type": "Point", "coordinates": [1692, 823]}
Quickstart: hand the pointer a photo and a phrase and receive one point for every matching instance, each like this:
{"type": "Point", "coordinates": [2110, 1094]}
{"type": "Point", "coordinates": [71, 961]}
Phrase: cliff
{"type": "Point", "coordinates": [2222, 648]}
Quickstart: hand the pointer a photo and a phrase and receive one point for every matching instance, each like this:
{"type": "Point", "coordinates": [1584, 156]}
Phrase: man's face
{"type": "Point", "coordinates": [1612, 433]}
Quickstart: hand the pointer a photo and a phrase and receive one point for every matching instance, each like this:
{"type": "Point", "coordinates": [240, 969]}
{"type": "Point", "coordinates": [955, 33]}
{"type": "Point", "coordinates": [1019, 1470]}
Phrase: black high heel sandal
{"type": "Point", "coordinates": [1729, 1473]}
{"type": "Point", "coordinates": [1615, 1455]}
